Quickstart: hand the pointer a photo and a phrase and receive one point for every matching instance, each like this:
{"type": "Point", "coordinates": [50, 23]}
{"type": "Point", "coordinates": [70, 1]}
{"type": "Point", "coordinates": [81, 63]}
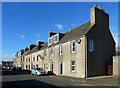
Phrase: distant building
{"type": "Point", "coordinates": [17, 59]}
{"type": "Point", "coordinates": [7, 63]}
{"type": "Point", "coordinates": [82, 52]}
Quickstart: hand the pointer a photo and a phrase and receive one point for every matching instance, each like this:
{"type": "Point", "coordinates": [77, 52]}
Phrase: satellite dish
{"type": "Point", "coordinates": [78, 40]}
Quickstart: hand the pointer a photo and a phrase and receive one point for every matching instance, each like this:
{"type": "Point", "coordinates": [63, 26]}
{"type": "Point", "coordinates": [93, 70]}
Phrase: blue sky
{"type": "Point", "coordinates": [25, 23]}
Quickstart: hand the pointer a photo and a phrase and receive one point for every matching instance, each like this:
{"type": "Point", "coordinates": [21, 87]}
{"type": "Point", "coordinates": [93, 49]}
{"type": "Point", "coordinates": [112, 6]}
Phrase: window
{"type": "Point", "coordinates": [50, 40]}
{"type": "Point", "coordinates": [81, 29]}
{"type": "Point", "coordinates": [73, 66]}
{"type": "Point", "coordinates": [33, 58]}
{"type": "Point", "coordinates": [29, 59]}
{"type": "Point", "coordinates": [26, 67]}
{"type": "Point", "coordinates": [56, 38]}
{"type": "Point", "coordinates": [37, 58]}
{"type": "Point", "coordinates": [73, 47]}
{"type": "Point", "coordinates": [29, 67]}
{"type": "Point", "coordinates": [90, 45]}
{"type": "Point", "coordinates": [61, 50]}
{"type": "Point", "coordinates": [36, 66]}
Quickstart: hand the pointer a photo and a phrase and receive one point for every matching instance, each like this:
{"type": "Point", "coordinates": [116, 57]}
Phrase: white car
{"type": "Point", "coordinates": [38, 71]}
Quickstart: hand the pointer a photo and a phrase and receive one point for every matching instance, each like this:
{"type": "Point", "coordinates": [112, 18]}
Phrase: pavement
{"type": "Point", "coordinates": [17, 80]}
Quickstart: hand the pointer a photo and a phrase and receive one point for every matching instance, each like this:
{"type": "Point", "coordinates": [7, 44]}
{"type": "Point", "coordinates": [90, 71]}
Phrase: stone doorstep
{"type": "Point", "coordinates": [100, 77]}
{"type": "Point", "coordinates": [96, 77]}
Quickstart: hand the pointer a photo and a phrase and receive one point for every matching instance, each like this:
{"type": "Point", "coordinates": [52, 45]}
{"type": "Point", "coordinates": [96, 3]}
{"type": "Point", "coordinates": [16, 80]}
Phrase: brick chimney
{"type": "Point", "coordinates": [39, 43]}
{"type": "Point", "coordinates": [31, 46]}
{"type": "Point", "coordinates": [51, 34]}
{"type": "Point", "coordinates": [22, 51]}
{"type": "Point", "coordinates": [99, 16]}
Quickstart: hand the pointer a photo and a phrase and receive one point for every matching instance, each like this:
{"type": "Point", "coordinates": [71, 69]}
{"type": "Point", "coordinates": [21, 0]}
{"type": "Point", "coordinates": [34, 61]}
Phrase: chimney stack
{"type": "Point", "coordinates": [39, 43]}
{"type": "Point", "coordinates": [95, 5]}
{"type": "Point", "coordinates": [26, 49]}
{"type": "Point", "coordinates": [51, 34]}
{"type": "Point", "coordinates": [98, 15]}
{"type": "Point", "coordinates": [31, 46]}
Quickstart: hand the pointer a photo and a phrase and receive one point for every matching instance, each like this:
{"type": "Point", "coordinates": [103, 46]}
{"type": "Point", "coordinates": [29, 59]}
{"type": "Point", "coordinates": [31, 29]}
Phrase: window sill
{"type": "Point", "coordinates": [73, 71]}
{"type": "Point", "coordinates": [74, 52]}
{"type": "Point", "coordinates": [56, 41]}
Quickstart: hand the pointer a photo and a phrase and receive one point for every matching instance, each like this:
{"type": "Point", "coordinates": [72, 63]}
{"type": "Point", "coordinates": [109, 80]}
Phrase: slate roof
{"type": "Point", "coordinates": [26, 53]}
{"type": "Point", "coordinates": [37, 48]}
{"type": "Point", "coordinates": [73, 33]}
{"type": "Point", "coordinates": [76, 32]}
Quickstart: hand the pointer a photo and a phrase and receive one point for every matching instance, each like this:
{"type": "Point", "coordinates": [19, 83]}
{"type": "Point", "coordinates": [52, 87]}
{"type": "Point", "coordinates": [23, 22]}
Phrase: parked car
{"type": "Point", "coordinates": [16, 69]}
{"type": "Point", "coordinates": [38, 71]}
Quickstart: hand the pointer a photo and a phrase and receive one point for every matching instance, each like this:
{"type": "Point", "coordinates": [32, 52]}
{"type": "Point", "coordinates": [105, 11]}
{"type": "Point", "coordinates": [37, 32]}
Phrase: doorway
{"type": "Point", "coordinates": [51, 66]}
{"type": "Point", "coordinates": [61, 68]}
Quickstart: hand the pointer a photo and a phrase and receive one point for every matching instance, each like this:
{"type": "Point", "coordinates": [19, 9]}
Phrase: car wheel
{"type": "Point", "coordinates": [36, 74]}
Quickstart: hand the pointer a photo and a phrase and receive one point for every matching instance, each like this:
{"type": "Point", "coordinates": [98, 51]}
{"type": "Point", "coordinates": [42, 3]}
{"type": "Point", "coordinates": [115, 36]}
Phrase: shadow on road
{"type": "Point", "coordinates": [9, 72]}
{"type": "Point", "coordinates": [39, 84]}
{"type": "Point", "coordinates": [27, 83]}
{"type": "Point", "coordinates": [23, 72]}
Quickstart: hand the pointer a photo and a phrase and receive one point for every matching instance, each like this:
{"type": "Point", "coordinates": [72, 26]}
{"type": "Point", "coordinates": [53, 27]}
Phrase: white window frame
{"type": "Point", "coordinates": [50, 39]}
{"type": "Point", "coordinates": [60, 50]}
{"type": "Point", "coordinates": [73, 46]}
{"type": "Point", "coordinates": [90, 45]}
{"type": "Point", "coordinates": [73, 65]}
{"type": "Point", "coordinates": [57, 35]}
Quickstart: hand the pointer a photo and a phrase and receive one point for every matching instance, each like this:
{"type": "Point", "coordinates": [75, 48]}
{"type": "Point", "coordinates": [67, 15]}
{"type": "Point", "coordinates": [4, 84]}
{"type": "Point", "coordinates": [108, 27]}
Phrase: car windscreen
{"type": "Point", "coordinates": [39, 68]}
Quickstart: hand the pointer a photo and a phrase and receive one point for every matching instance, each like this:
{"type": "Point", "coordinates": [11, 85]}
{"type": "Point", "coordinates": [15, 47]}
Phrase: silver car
{"type": "Point", "coordinates": [38, 71]}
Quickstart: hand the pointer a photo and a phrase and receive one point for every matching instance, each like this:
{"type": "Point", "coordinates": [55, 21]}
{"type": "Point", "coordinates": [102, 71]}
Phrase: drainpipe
{"type": "Point", "coordinates": [85, 56]}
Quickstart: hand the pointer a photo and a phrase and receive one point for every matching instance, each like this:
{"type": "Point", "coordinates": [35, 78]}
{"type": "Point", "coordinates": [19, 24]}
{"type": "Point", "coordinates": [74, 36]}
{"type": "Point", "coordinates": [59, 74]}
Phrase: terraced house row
{"type": "Point", "coordinates": [81, 52]}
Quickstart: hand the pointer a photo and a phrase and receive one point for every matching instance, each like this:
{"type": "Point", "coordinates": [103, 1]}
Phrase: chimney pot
{"type": "Point", "coordinates": [95, 5]}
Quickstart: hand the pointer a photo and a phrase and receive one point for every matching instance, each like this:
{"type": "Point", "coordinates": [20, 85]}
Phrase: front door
{"type": "Point", "coordinates": [61, 68]}
{"type": "Point", "coordinates": [51, 67]}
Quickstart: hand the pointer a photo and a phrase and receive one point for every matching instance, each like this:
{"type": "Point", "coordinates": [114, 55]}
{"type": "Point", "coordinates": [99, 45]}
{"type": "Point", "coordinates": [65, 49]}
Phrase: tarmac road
{"type": "Point", "coordinates": [15, 80]}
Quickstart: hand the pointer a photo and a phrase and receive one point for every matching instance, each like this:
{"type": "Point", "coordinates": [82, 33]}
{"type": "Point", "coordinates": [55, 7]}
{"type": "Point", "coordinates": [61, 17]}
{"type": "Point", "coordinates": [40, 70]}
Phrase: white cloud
{"type": "Point", "coordinates": [37, 35]}
{"type": "Point", "coordinates": [21, 36]}
{"type": "Point", "coordinates": [6, 57]}
{"type": "Point", "coordinates": [8, 40]}
{"type": "Point", "coordinates": [73, 24]}
{"type": "Point", "coordinates": [59, 26]}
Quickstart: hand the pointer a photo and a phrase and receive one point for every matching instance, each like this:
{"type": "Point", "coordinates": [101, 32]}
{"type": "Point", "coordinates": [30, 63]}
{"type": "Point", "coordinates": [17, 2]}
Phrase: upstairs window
{"type": "Point", "coordinates": [33, 58]}
{"type": "Point", "coordinates": [90, 45]}
{"type": "Point", "coordinates": [37, 58]}
{"type": "Point", "coordinates": [73, 47]}
{"type": "Point", "coordinates": [50, 40]}
{"type": "Point", "coordinates": [29, 59]}
{"type": "Point", "coordinates": [60, 49]}
{"type": "Point", "coordinates": [56, 38]}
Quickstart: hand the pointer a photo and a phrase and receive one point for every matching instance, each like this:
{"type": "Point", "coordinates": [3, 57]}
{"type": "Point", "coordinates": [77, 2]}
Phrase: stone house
{"type": "Point", "coordinates": [82, 52]}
